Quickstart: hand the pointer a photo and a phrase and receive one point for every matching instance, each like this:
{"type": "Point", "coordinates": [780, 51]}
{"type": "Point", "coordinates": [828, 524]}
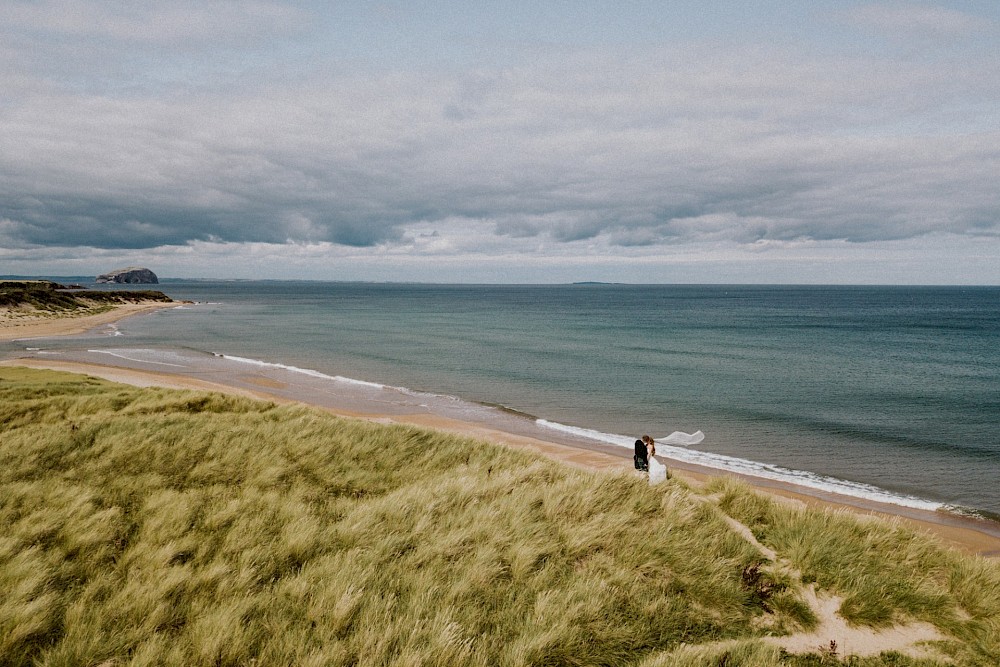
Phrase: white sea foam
{"type": "Point", "coordinates": [302, 371]}
{"type": "Point", "coordinates": [139, 361]}
{"type": "Point", "coordinates": [620, 440]}
{"type": "Point", "coordinates": [751, 468]}
{"type": "Point", "coordinates": [342, 379]}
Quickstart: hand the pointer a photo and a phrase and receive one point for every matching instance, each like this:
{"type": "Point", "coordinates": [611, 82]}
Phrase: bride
{"type": "Point", "coordinates": [657, 471]}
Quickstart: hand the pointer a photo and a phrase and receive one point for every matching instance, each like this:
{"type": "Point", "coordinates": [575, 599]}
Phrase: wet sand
{"type": "Point", "coordinates": [969, 535]}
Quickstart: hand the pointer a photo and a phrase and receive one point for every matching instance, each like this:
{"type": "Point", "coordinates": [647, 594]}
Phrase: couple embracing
{"type": "Point", "coordinates": [645, 459]}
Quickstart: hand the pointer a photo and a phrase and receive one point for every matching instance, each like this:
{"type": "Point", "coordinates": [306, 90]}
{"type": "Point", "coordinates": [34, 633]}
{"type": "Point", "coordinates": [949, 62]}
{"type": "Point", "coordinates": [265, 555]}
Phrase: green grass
{"type": "Point", "coordinates": [146, 526]}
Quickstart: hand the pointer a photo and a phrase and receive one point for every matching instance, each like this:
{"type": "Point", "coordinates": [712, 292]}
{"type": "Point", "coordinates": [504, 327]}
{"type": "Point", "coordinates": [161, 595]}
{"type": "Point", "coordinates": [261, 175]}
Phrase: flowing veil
{"type": "Point", "coordinates": [658, 471]}
{"type": "Point", "coordinates": [681, 439]}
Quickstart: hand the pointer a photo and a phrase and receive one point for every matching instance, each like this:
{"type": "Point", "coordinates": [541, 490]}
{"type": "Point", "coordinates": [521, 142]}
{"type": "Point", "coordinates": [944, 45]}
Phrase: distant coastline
{"type": "Point", "coordinates": [37, 308]}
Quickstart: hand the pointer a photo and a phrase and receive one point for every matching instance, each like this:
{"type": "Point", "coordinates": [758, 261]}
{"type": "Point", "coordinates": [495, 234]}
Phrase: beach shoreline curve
{"type": "Point", "coordinates": [973, 536]}
{"type": "Point", "coordinates": [68, 324]}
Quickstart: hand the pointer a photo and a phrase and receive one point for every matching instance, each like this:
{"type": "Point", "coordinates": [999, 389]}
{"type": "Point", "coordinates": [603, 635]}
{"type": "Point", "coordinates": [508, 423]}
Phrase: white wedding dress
{"type": "Point", "coordinates": [657, 471]}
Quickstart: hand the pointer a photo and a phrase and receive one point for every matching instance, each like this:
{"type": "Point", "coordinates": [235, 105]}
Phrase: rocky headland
{"type": "Point", "coordinates": [133, 275]}
{"type": "Point", "coordinates": [43, 308]}
{"type": "Point", "coordinates": [52, 297]}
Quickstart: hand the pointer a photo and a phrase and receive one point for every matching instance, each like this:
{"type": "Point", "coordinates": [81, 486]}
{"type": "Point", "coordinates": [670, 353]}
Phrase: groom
{"type": "Point", "coordinates": [640, 459]}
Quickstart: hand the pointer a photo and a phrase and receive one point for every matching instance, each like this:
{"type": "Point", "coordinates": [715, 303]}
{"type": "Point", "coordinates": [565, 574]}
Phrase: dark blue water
{"type": "Point", "coordinates": [896, 387]}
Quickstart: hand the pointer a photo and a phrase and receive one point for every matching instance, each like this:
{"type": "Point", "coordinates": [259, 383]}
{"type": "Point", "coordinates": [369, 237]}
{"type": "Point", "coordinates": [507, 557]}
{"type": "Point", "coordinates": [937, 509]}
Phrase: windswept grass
{"type": "Point", "coordinates": [164, 527]}
{"type": "Point", "coordinates": [885, 572]}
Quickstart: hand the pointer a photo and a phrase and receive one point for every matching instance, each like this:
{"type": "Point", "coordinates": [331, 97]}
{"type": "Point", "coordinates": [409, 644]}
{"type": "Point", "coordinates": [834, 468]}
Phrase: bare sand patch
{"type": "Point", "coordinates": [835, 636]}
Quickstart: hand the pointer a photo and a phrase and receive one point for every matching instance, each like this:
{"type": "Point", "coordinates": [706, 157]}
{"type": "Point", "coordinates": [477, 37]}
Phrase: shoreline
{"type": "Point", "coordinates": [32, 326]}
{"type": "Point", "coordinates": [973, 536]}
{"type": "Point", "coordinates": [968, 534]}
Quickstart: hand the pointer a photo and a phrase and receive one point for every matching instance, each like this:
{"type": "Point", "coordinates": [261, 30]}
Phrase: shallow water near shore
{"type": "Point", "coordinates": [885, 393]}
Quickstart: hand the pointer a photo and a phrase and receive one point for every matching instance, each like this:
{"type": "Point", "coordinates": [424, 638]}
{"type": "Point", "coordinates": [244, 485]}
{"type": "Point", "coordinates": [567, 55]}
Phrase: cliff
{"type": "Point", "coordinates": [45, 295]}
{"type": "Point", "coordinates": [131, 274]}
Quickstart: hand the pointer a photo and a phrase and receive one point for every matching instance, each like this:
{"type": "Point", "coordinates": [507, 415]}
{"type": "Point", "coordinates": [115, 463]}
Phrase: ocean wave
{"type": "Point", "coordinates": [304, 371]}
{"type": "Point", "coordinates": [414, 393]}
{"type": "Point", "coordinates": [753, 468]}
{"type": "Point", "coordinates": [138, 361]}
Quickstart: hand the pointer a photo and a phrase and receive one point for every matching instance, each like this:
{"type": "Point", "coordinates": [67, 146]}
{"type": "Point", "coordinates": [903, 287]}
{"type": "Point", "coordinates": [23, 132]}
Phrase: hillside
{"type": "Point", "coordinates": [51, 297]}
{"type": "Point", "coordinates": [39, 308]}
{"type": "Point", "coordinates": [153, 526]}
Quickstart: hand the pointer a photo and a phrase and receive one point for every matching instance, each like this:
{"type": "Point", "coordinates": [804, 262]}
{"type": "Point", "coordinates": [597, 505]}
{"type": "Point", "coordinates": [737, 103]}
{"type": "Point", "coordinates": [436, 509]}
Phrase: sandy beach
{"type": "Point", "coordinates": [16, 325]}
{"type": "Point", "coordinates": [971, 536]}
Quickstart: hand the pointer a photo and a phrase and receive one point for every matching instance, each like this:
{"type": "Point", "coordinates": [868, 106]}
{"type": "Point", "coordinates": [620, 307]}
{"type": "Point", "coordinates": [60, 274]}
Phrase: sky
{"type": "Point", "coordinates": [831, 142]}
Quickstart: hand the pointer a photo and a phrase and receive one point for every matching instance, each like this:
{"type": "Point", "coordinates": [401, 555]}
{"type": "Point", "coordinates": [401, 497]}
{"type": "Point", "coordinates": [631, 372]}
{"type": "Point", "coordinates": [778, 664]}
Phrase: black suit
{"type": "Point", "coordinates": [640, 458]}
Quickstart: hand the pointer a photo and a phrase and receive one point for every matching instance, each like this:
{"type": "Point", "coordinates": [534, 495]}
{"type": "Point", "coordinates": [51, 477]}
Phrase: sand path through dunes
{"type": "Point", "coordinates": [833, 636]}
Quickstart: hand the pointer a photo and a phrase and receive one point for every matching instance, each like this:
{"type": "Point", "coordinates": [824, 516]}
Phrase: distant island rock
{"type": "Point", "coordinates": [132, 275]}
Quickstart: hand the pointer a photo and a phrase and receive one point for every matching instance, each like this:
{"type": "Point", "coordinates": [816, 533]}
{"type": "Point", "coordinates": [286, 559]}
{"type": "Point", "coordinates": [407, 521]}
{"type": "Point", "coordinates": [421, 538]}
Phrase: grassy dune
{"type": "Point", "coordinates": [144, 526]}
{"type": "Point", "coordinates": [43, 297]}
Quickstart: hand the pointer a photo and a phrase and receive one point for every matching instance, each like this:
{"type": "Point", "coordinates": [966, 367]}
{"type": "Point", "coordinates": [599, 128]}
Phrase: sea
{"type": "Point", "coordinates": [886, 394]}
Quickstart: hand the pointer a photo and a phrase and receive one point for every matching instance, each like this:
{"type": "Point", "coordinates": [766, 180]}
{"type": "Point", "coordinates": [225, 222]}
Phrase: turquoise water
{"type": "Point", "coordinates": [892, 390]}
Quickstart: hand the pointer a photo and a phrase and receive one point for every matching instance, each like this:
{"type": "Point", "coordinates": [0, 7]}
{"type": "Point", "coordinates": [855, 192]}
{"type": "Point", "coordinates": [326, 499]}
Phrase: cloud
{"type": "Point", "coordinates": [918, 20]}
{"type": "Point", "coordinates": [686, 145]}
{"type": "Point", "coordinates": [179, 22]}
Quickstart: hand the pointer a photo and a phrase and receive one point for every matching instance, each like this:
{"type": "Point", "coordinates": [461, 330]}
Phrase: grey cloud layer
{"type": "Point", "coordinates": [180, 22]}
{"type": "Point", "coordinates": [671, 147]}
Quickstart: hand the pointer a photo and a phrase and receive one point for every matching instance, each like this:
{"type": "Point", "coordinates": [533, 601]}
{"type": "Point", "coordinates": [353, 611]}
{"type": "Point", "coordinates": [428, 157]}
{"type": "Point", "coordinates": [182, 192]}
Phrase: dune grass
{"type": "Point", "coordinates": [147, 526]}
{"type": "Point", "coordinates": [885, 572]}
